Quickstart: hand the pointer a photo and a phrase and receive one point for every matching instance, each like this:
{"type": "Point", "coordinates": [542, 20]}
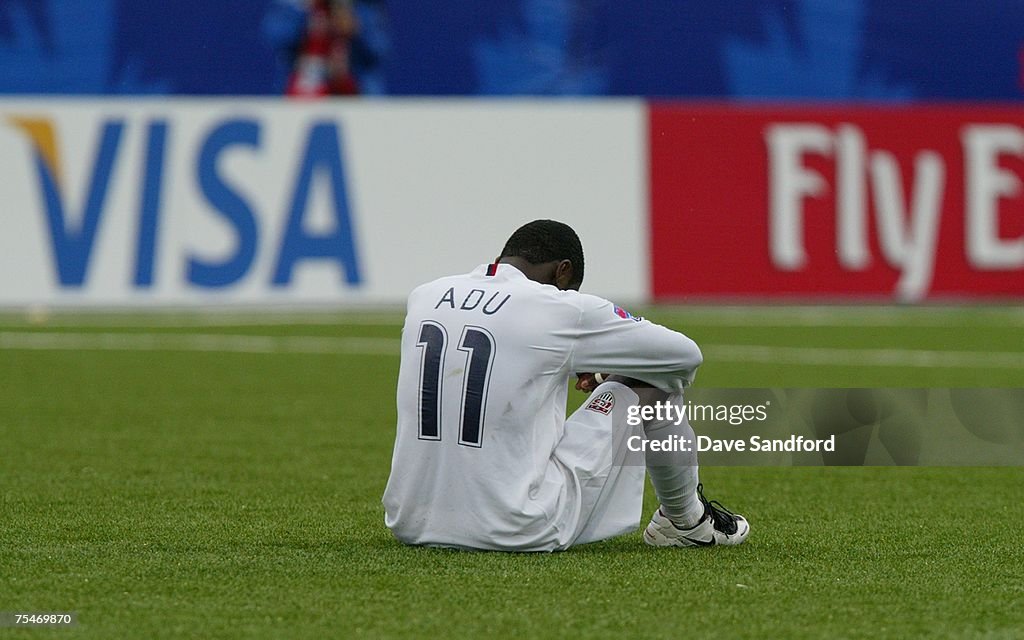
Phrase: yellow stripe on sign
{"type": "Point", "coordinates": [40, 131]}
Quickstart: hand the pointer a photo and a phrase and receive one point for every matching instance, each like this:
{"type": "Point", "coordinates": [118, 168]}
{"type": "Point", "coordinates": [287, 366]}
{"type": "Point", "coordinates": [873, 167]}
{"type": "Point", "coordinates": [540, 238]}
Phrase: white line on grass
{"type": "Point", "coordinates": [811, 356]}
{"type": "Point", "coordinates": [64, 318]}
{"type": "Point", "coordinates": [831, 356]}
{"type": "Point", "coordinates": [839, 316]}
{"type": "Point", "coordinates": [196, 342]}
{"type": "Point", "coordinates": [731, 315]}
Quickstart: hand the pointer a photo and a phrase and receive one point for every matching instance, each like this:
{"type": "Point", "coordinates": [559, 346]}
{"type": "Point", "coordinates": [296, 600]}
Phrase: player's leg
{"type": "Point", "coordinates": [685, 518]}
{"type": "Point", "coordinates": [674, 474]}
{"type": "Point", "coordinates": [607, 478]}
{"type": "Point", "coordinates": [609, 474]}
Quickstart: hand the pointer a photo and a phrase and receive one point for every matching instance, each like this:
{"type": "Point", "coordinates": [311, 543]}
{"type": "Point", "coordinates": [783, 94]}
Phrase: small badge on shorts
{"type": "Point", "coordinates": [602, 403]}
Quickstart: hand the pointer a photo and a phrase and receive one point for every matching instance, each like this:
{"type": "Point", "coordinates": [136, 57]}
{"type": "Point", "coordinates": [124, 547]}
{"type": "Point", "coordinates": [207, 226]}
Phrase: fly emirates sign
{"type": "Point", "coordinates": [891, 203]}
{"type": "Point", "coordinates": [906, 222]}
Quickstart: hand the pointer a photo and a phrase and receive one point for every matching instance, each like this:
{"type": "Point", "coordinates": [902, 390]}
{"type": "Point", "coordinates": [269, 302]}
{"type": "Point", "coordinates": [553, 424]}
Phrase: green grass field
{"type": "Point", "coordinates": [220, 476]}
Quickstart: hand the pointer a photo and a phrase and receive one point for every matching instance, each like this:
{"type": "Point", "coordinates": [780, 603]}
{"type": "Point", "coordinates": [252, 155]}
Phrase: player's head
{"type": "Point", "coordinates": [548, 252]}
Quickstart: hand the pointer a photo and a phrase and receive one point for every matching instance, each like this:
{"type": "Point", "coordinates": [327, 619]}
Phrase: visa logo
{"type": "Point", "coordinates": [73, 242]}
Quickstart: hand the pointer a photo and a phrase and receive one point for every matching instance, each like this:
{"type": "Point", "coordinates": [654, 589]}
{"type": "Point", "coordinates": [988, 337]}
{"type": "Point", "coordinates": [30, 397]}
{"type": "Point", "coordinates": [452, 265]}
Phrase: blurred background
{"type": "Point", "coordinates": [740, 49]}
{"type": "Point", "coordinates": [341, 151]}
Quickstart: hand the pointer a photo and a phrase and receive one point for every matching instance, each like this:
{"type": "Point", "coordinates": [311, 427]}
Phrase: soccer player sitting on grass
{"type": "Point", "coordinates": [484, 457]}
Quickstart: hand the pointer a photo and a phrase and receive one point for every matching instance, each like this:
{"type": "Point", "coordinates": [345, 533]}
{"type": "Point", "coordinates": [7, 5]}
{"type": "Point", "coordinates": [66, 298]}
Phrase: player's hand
{"type": "Point", "coordinates": [586, 382]}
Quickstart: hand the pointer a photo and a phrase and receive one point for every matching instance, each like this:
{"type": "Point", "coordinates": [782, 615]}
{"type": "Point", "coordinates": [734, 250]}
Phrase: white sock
{"type": "Point", "coordinates": [674, 475]}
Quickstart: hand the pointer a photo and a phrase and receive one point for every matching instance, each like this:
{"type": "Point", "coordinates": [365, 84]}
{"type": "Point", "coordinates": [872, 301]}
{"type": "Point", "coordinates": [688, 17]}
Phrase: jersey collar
{"type": "Point", "coordinates": [495, 269]}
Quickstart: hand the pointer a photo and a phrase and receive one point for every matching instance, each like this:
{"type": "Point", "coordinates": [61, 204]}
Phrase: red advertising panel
{"type": "Point", "coordinates": [885, 203]}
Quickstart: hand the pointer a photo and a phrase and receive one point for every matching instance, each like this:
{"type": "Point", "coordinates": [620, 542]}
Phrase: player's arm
{"type": "Point", "coordinates": [612, 342]}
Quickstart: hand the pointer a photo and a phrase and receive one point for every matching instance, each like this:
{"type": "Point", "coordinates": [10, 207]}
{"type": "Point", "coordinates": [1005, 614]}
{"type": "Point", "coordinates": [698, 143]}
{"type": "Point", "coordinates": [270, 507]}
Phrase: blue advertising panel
{"type": "Point", "coordinates": [749, 49]}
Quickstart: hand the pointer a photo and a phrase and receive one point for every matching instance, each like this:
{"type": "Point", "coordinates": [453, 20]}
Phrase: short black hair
{"type": "Point", "coordinates": [544, 241]}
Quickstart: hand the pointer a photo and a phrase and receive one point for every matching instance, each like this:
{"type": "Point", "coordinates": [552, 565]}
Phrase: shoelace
{"type": "Point", "coordinates": [721, 518]}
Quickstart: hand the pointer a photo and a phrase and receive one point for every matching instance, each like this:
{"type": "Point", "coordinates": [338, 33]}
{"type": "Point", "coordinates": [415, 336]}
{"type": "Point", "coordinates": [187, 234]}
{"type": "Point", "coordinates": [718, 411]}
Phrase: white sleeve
{"type": "Point", "coordinates": [609, 340]}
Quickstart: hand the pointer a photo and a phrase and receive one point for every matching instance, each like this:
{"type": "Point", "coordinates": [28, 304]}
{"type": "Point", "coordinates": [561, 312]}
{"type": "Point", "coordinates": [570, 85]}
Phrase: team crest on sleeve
{"type": "Point", "coordinates": [602, 403]}
{"type": "Point", "coordinates": [625, 315]}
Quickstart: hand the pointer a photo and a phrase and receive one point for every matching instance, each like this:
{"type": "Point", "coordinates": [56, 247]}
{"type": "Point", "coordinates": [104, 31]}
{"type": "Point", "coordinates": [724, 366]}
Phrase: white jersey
{"type": "Point", "coordinates": [485, 365]}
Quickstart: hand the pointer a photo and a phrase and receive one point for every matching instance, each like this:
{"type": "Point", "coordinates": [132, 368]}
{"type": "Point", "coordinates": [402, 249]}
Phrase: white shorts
{"type": "Point", "coordinates": [609, 492]}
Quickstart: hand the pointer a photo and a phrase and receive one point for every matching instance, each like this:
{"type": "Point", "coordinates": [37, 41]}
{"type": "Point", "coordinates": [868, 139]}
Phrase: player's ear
{"type": "Point", "coordinates": [563, 275]}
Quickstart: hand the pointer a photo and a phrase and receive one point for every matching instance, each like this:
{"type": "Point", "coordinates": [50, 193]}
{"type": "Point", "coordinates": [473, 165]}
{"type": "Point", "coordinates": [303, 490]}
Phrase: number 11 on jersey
{"type": "Point", "coordinates": [478, 345]}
